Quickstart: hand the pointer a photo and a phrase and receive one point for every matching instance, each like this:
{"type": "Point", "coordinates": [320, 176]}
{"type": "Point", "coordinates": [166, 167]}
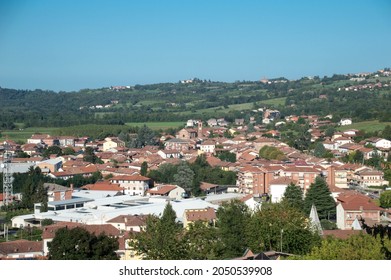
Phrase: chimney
{"type": "Point", "coordinates": [72, 187]}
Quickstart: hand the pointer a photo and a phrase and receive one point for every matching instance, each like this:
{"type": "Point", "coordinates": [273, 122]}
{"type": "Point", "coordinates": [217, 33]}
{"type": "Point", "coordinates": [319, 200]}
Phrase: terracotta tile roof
{"type": "Point", "coordinates": [130, 220]}
{"type": "Point", "coordinates": [207, 214]}
{"type": "Point", "coordinates": [207, 186]}
{"type": "Point", "coordinates": [103, 186]}
{"type": "Point", "coordinates": [50, 231]}
{"type": "Point", "coordinates": [21, 246]}
{"type": "Point", "coordinates": [282, 181]}
{"type": "Point", "coordinates": [355, 201]}
{"type": "Point", "coordinates": [130, 178]}
{"type": "Point", "coordinates": [164, 190]}
{"type": "Point", "coordinates": [214, 161]}
{"type": "Point", "coordinates": [341, 233]}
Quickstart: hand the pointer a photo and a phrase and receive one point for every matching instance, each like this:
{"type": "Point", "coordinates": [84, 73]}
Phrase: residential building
{"type": "Point", "coordinates": [353, 205]}
{"type": "Point", "coordinates": [206, 215]}
{"type": "Point", "coordinates": [132, 184]}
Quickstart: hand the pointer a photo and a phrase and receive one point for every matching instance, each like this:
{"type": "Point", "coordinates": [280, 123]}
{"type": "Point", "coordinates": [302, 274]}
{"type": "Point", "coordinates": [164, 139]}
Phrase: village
{"type": "Point", "coordinates": [121, 201]}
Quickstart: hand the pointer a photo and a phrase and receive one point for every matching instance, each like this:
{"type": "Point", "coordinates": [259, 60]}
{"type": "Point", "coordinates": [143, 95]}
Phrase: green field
{"type": "Point", "coordinates": [274, 102]}
{"type": "Point", "coordinates": [158, 125]}
{"type": "Point", "coordinates": [368, 126]}
{"type": "Point", "coordinates": [23, 134]}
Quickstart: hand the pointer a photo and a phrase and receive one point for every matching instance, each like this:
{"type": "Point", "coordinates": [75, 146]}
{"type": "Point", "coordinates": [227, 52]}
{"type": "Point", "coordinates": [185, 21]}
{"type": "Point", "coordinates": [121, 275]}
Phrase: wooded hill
{"type": "Point", "coordinates": [353, 96]}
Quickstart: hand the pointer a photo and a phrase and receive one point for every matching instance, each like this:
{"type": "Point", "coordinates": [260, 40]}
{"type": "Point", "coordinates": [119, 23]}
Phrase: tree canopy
{"type": "Point", "coordinates": [319, 195]}
{"type": "Point", "coordinates": [78, 244]}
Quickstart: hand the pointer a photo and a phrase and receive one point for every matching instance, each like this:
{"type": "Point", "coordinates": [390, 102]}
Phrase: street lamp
{"type": "Point", "coordinates": [282, 231]}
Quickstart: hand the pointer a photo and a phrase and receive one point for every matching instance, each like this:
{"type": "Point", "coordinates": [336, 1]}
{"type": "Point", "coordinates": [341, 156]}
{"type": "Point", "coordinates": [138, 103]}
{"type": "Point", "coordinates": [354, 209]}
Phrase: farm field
{"type": "Point", "coordinates": [368, 126]}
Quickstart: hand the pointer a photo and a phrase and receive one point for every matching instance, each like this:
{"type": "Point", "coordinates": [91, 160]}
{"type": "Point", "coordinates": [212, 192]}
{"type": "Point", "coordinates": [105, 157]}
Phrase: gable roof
{"type": "Point", "coordinates": [164, 190]}
{"type": "Point", "coordinates": [20, 246]}
{"type": "Point", "coordinates": [206, 214]}
{"type": "Point", "coordinates": [50, 231]}
{"type": "Point", "coordinates": [355, 201]}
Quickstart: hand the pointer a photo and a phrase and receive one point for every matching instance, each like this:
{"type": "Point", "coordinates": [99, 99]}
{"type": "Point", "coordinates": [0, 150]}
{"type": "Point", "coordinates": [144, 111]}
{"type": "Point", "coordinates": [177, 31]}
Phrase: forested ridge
{"type": "Point", "coordinates": [198, 99]}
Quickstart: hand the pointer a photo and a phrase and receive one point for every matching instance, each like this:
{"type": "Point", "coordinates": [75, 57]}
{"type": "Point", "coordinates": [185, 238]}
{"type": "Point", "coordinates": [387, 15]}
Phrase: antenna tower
{"type": "Point", "coordinates": [7, 176]}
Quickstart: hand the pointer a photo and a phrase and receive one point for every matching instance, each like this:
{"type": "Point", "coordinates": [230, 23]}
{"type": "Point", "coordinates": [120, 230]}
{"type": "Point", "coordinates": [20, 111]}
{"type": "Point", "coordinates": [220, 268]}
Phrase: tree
{"type": "Point", "coordinates": [78, 244]}
{"type": "Point", "coordinates": [52, 150]}
{"type": "Point", "coordinates": [145, 136]}
{"type": "Point", "coordinates": [319, 195]}
{"type": "Point", "coordinates": [68, 151]}
{"type": "Point", "coordinates": [320, 150]}
{"type": "Point", "coordinates": [293, 197]}
{"type": "Point", "coordinates": [356, 247]}
{"type": "Point", "coordinates": [385, 199]}
{"type": "Point", "coordinates": [32, 188]}
{"type": "Point", "coordinates": [232, 218]}
{"type": "Point", "coordinates": [161, 238]}
{"type": "Point", "coordinates": [89, 156]}
{"type": "Point", "coordinates": [280, 227]}
{"type": "Point", "coordinates": [144, 168]}
{"type": "Point", "coordinates": [202, 242]}
{"type": "Point", "coordinates": [227, 156]}
{"type": "Point", "coordinates": [184, 177]}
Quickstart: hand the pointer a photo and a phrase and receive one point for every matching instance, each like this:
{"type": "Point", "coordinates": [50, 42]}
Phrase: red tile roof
{"type": "Point", "coordinates": [130, 220]}
{"type": "Point", "coordinates": [207, 214]}
{"type": "Point", "coordinates": [164, 190]}
{"type": "Point", "coordinates": [130, 178]}
{"type": "Point", "coordinates": [20, 246]}
{"type": "Point", "coordinates": [356, 202]}
{"type": "Point", "coordinates": [50, 231]}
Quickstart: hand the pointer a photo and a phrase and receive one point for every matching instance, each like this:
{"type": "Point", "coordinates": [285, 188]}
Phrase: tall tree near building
{"type": "Point", "coordinates": [385, 199]}
{"type": "Point", "coordinates": [184, 177]}
{"type": "Point", "coordinates": [320, 195]}
{"type": "Point", "coordinates": [144, 168]}
{"type": "Point", "coordinates": [293, 196]}
{"type": "Point", "coordinates": [161, 239]}
{"type": "Point", "coordinates": [280, 227]}
{"type": "Point", "coordinates": [232, 218]}
{"type": "Point", "coordinates": [79, 244]}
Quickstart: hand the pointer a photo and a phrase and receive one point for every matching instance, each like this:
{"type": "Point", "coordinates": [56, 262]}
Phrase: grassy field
{"type": "Point", "coordinates": [274, 101]}
{"type": "Point", "coordinates": [158, 125]}
{"type": "Point", "coordinates": [368, 126]}
{"type": "Point", "coordinates": [23, 134]}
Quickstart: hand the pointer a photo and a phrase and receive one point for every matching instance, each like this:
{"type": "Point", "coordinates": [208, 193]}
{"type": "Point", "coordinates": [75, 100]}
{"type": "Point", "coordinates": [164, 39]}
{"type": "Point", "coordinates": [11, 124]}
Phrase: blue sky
{"type": "Point", "coordinates": [71, 45]}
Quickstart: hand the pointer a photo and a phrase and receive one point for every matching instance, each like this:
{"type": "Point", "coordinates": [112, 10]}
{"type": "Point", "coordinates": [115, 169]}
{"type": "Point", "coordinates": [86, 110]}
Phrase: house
{"type": "Point", "coordinates": [379, 143]}
{"type": "Point", "coordinates": [67, 141]}
{"type": "Point", "coordinates": [212, 122]}
{"type": "Point", "coordinates": [129, 222]}
{"type": "Point", "coordinates": [208, 146]}
{"type": "Point", "coordinates": [239, 121]}
{"type": "Point", "coordinates": [57, 192]}
{"type": "Point", "coordinates": [178, 144]}
{"type": "Point", "coordinates": [50, 165]}
{"type": "Point", "coordinates": [21, 249]}
{"type": "Point", "coordinates": [103, 186]}
{"type": "Point", "coordinates": [207, 215]}
{"type": "Point", "coordinates": [370, 177]}
{"type": "Point", "coordinates": [253, 202]}
{"type": "Point", "coordinates": [132, 184]}
{"type": "Point", "coordinates": [352, 205]}
{"type": "Point", "coordinates": [112, 143]}
{"type": "Point", "coordinates": [344, 122]}
{"type": "Point", "coordinates": [169, 154]}
{"type": "Point", "coordinates": [171, 191]}
{"type": "Point", "coordinates": [37, 138]}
